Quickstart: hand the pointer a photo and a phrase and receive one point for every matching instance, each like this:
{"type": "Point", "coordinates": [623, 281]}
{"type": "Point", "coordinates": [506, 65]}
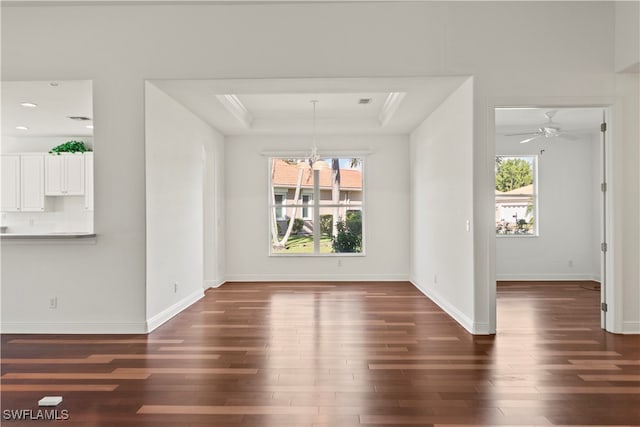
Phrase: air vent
{"type": "Point", "coordinates": [364, 101]}
{"type": "Point", "coordinates": [79, 118]}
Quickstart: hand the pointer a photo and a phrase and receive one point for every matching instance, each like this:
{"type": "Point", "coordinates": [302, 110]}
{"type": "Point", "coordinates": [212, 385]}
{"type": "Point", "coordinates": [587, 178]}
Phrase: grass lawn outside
{"type": "Point", "coordinates": [304, 245]}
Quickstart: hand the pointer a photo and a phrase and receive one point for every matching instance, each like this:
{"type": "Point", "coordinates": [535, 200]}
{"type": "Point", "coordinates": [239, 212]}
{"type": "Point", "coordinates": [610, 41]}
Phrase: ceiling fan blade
{"type": "Point", "coordinates": [524, 141]}
{"type": "Point", "coordinates": [522, 134]}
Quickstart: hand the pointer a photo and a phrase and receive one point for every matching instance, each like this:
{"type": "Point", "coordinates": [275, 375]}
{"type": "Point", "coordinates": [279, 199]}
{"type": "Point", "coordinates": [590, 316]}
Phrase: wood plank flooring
{"type": "Point", "coordinates": [339, 354]}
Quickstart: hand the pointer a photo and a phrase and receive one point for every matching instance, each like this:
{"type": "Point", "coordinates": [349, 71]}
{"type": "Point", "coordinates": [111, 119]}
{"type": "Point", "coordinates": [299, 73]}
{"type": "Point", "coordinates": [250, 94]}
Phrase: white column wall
{"type": "Point", "coordinates": [177, 144]}
{"type": "Point", "coordinates": [442, 207]}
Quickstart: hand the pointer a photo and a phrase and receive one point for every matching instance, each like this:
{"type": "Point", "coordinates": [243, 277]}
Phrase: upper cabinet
{"type": "Point", "coordinates": [32, 182]}
{"type": "Point", "coordinates": [10, 183]}
{"type": "Point", "coordinates": [65, 175]}
{"type": "Point", "coordinates": [23, 183]}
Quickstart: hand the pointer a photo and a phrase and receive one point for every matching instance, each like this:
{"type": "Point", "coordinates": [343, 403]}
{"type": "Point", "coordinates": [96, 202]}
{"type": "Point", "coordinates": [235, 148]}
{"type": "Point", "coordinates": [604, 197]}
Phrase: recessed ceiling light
{"type": "Point", "coordinates": [53, 84]}
{"type": "Point", "coordinates": [28, 104]}
{"type": "Point", "coordinates": [22, 128]}
{"type": "Point", "coordinates": [89, 126]}
{"type": "Point", "coordinates": [79, 118]}
{"type": "Point", "coordinates": [364, 101]}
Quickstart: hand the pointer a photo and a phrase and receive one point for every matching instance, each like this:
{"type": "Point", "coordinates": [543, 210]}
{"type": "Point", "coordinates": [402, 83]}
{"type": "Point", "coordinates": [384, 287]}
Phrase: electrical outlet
{"type": "Point", "coordinates": [31, 222]}
{"type": "Point", "coordinates": [175, 288]}
{"type": "Point", "coordinates": [339, 263]}
{"type": "Point", "coordinates": [435, 279]}
{"type": "Point", "coordinates": [53, 302]}
{"type": "Point", "coordinates": [570, 263]}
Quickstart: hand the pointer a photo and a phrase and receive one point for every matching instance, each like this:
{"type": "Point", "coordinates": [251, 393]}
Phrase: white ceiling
{"type": "Point", "coordinates": [298, 105]}
{"type": "Point", "coordinates": [55, 100]}
{"type": "Point", "coordinates": [283, 106]}
{"type": "Point", "coordinates": [571, 120]}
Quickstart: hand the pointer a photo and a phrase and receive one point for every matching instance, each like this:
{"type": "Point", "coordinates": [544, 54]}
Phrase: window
{"type": "Point", "coordinates": [516, 196]}
{"type": "Point", "coordinates": [316, 208]}
{"type": "Point", "coordinates": [279, 200]}
{"type": "Point", "coordinates": [306, 212]}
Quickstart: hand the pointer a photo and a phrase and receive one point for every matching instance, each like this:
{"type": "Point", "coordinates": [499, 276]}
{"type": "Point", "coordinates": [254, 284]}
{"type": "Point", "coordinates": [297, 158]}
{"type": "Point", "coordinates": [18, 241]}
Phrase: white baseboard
{"type": "Point", "coordinates": [457, 315]}
{"type": "Point", "coordinates": [631, 327]}
{"type": "Point", "coordinates": [541, 277]}
{"type": "Point", "coordinates": [213, 283]}
{"type": "Point", "coordinates": [317, 277]}
{"type": "Point", "coordinates": [73, 328]}
{"type": "Point", "coordinates": [171, 311]}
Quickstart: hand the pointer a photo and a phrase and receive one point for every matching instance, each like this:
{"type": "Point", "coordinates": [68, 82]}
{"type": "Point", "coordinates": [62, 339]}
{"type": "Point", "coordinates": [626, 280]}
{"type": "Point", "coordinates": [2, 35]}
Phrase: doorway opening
{"type": "Point", "coordinates": [550, 204]}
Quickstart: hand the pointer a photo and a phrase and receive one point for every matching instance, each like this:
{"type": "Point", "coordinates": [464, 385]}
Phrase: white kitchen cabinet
{"type": "Point", "coordinates": [23, 183]}
{"type": "Point", "coordinates": [32, 183]}
{"type": "Point", "coordinates": [88, 181]}
{"type": "Point", "coordinates": [64, 175]}
{"type": "Point", "coordinates": [10, 183]}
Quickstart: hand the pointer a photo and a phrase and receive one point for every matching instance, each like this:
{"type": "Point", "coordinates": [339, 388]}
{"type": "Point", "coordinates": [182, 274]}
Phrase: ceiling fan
{"type": "Point", "coordinates": [550, 129]}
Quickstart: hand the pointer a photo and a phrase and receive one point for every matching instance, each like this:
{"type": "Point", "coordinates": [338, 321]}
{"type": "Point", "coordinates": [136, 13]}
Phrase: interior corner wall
{"type": "Point", "coordinates": [568, 216]}
{"type": "Point", "coordinates": [386, 231]}
{"type": "Point", "coordinates": [441, 153]}
{"type": "Point", "coordinates": [177, 143]}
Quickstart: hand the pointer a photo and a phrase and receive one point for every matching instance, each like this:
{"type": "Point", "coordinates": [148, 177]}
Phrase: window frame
{"type": "Point", "coordinates": [535, 196]}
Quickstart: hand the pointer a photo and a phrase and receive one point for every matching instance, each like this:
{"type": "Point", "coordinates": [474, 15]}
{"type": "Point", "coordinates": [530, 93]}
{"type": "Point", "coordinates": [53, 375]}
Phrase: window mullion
{"type": "Point", "coordinates": [316, 212]}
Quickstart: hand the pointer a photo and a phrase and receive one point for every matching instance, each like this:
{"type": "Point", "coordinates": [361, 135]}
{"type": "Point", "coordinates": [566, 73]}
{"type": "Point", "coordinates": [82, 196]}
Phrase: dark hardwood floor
{"type": "Point", "coordinates": [338, 354]}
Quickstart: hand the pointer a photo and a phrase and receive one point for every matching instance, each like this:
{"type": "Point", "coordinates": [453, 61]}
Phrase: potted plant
{"type": "Point", "coordinates": [70, 147]}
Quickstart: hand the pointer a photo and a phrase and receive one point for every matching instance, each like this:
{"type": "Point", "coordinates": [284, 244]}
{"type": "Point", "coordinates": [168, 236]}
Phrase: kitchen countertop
{"type": "Point", "coordinates": [51, 235]}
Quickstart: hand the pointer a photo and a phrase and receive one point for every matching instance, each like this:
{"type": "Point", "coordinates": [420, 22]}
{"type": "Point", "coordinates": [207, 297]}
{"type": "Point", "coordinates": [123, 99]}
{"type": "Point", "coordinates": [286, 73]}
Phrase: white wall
{"type": "Point", "coordinates": [385, 218]}
{"type": "Point", "coordinates": [626, 174]}
{"type": "Point", "coordinates": [627, 36]}
{"type": "Point", "coordinates": [177, 144]}
{"type": "Point", "coordinates": [483, 39]}
{"type": "Point", "coordinates": [214, 213]}
{"type": "Point", "coordinates": [441, 197]}
{"type": "Point", "coordinates": [568, 213]}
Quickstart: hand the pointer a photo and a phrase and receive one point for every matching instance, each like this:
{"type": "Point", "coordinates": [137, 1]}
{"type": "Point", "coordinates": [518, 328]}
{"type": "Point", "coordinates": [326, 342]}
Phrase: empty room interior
{"type": "Point", "coordinates": [320, 213]}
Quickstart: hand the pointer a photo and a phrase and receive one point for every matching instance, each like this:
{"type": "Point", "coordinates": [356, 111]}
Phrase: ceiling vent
{"type": "Point", "coordinates": [79, 118]}
{"type": "Point", "coordinates": [364, 101]}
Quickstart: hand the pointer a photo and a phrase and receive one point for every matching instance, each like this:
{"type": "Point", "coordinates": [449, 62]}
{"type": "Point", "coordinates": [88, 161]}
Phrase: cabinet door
{"type": "Point", "coordinates": [88, 181]}
{"type": "Point", "coordinates": [74, 175]}
{"type": "Point", "coordinates": [53, 182]}
{"type": "Point", "coordinates": [32, 180]}
{"type": "Point", "coordinates": [10, 184]}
